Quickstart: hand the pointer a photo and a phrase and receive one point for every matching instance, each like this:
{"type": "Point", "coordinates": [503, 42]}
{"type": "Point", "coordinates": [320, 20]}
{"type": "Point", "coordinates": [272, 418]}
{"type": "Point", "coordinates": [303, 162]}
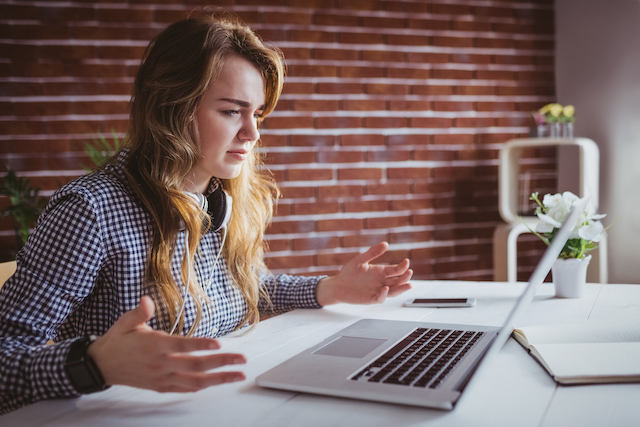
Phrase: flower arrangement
{"type": "Point", "coordinates": [554, 113]}
{"type": "Point", "coordinates": [552, 210]}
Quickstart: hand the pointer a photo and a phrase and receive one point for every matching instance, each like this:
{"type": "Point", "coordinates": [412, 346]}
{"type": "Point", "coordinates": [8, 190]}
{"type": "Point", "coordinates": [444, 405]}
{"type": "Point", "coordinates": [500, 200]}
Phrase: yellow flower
{"type": "Point", "coordinates": [569, 111]}
{"type": "Point", "coordinates": [556, 110]}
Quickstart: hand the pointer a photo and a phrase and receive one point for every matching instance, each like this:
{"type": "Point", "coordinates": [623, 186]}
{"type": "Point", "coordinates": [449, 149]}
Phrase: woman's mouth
{"type": "Point", "coordinates": [239, 155]}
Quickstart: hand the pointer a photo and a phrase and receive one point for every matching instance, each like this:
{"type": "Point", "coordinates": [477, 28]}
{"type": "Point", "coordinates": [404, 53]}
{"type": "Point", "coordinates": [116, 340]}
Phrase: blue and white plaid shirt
{"type": "Point", "coordinates": [83, 267]}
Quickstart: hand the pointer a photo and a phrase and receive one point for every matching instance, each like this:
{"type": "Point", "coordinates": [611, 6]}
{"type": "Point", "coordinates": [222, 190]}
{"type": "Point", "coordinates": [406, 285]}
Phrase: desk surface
{"type": "Point", "coordinates": [511, 390]}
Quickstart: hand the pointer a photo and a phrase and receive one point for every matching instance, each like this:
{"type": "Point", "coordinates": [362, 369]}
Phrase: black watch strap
{"type": "Point", "coordinates": [81, 369]}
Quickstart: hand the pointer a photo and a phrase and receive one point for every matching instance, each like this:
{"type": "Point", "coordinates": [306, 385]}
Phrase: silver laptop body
{"type": "Point", "coordinates": [354, 362]}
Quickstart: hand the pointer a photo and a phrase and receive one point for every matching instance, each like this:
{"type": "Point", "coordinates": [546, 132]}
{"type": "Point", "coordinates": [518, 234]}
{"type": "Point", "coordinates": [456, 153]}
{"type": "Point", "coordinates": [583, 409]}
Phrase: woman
{"type": "Point", "coordinates": [130, 253]}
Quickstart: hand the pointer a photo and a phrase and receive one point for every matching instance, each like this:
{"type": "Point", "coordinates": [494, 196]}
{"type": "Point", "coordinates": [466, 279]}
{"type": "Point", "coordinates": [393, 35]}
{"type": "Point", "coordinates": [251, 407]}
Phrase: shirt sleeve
{"type": "Point", "coordinates": [56, 271]}
{"type": "Point", "coordinates": [288, 292]}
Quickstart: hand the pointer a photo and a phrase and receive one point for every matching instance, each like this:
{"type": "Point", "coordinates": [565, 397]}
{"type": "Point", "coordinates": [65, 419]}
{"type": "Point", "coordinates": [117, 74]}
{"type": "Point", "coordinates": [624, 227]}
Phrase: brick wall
{"type": "Point", "coordinates": [389, 126]}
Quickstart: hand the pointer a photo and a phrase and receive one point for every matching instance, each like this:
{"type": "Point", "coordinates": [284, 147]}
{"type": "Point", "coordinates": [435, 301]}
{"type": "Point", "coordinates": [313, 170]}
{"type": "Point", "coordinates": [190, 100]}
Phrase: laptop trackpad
{"type": "Point", "coordinates": [350, 347]}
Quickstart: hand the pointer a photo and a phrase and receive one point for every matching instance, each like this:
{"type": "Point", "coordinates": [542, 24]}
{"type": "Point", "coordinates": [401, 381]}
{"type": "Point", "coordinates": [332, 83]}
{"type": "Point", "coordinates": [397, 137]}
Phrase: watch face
{"type": "Point", "coordinates": [80, 376]}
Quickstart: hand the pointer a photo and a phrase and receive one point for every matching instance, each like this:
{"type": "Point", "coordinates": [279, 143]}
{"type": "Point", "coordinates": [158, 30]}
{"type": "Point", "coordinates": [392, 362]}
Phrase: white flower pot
{"type": "Point", "coordinates": [570, 276]}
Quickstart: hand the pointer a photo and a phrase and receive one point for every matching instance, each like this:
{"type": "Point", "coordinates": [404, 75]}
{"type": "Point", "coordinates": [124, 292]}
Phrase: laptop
{"type": "Point", "coordinates": [405, 362]}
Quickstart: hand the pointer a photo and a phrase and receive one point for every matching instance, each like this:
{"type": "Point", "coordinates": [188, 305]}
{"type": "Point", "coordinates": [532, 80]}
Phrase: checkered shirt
{"type": "Point", "coordinates": [83, 267]}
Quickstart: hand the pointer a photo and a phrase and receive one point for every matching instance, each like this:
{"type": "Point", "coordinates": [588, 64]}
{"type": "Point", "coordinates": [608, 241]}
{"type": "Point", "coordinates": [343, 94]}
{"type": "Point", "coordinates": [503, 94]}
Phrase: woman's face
{"type": "Point", "coordinates": [227, 122]}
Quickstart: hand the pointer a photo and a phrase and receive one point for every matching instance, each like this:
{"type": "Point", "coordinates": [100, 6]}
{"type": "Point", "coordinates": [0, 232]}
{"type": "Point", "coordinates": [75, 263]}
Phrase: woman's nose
{"type": "Point", "coordinates": [249, 131]}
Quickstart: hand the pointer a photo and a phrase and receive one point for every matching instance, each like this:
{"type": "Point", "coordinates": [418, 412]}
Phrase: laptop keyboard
{"type": "Point", "coordinates": [425, 358]}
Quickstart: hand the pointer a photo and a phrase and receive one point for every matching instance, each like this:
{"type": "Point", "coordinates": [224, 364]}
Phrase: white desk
{"type": "Point", "coordinates": [512, 390]}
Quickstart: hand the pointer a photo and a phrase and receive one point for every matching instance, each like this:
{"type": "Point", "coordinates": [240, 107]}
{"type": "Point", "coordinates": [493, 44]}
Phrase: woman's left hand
{"type": "Point", "coordinates": [360, 282]}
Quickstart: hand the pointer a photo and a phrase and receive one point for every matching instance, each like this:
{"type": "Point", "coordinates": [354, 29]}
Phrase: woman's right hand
{"type": "Point", "coordinates": [133, 354]}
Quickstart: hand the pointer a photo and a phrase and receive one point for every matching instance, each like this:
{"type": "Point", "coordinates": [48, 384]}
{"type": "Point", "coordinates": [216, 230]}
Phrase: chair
{"type": "Point", "coordinates": [506, 235]}
{"type": "Point", "coordinates": [6, 270]}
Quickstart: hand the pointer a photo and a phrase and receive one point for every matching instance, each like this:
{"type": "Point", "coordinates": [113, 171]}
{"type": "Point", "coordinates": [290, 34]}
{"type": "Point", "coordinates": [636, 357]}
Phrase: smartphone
{"type": "Point", "coordinates": [440, 302]}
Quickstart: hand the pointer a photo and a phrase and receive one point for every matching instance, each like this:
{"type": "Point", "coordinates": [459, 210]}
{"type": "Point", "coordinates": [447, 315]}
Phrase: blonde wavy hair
{"type": "Point", "coordinates": [177, 69]}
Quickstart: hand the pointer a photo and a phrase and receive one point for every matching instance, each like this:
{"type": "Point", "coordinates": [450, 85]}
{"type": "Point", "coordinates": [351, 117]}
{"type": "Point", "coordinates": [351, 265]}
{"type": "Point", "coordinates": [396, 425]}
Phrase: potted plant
{"type": "Point", "coordinates": [570, 269]}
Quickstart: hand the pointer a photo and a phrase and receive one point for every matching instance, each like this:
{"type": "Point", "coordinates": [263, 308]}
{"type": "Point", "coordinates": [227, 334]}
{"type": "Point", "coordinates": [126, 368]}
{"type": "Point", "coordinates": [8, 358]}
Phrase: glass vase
{"type": "Point", "coordinates": [567, 130]}
{"type": "Point", "coordinates": [554, 130]}
{"type": "Point", "coordinates": [541, 131]}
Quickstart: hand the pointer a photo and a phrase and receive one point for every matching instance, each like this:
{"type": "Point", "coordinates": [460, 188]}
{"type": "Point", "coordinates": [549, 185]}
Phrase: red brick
{"type": "Point", "coordinates": [386, 122]}
{"type": "Point", "coordinates": [496, 106]}
{"type": "Point", "coordinates": [335, 191]}
{"type": "Point", "coordinates": [273, 122]}
{"type": "Point", "coordinates": [432, 90]}
{"type": "Point", "coordinates": [316, 243]}
{"type": "Point", "coordinates": [342, 224]}
{"type": "Point", "coordinates": [279, 158]}
{"type": "Point", "coordinates": [309, 174]}
{"type": "Point", "coordinates": [471, 25]}
{"type": "Point", "coordinates": [428, 57]}
{"type": "Point", "coordinates": [363, 240]}
{"type": "Point", "coordinates": [388, 189]}
{"type": "Point", "coordinates": [340, 88]}
{"type": "Point", "coordinates": [121, 52]}
{"type": "Point", "coordinates": [340, 156]}
{"type": "Point", "coordinates": [363, 72]}
{"type": "Point", "coordinates": [297, 18]}
{"type": "Point", "coordinates": [129, 14]}
{"type": "Point", "coordinates": [387, 222]}
{"type": "Point", "coordinates": [313, 140]}
{"type": "Point", "coordinates": [433, 155]}
{"type": "Point", "coordinates": [316, 208]}
{"type": "Point", "coordinates": [409, 139]}
{"type": "Point", "coordinates": [431, 122]}
{"type": "Point", "coordinates": [338, 122]}
{"type": "Point", "coordinates": [298, 88]}
{"type": "Point", "coordinates": [402, 6]}
{"type": "Point", "coordinates": [333, 19]}
{"type": "Point", "coordinates": [313, 105]}
{"type": "Point", "coordinates": [363, 105]}
{"type": "Point", "coordinates": [42, 108]}
{"type": "Point", "coordinates": [313, 36]}
{"type": "Point", "coordinates": [352, 140]}
{"type": "Point", "coordinates": [451, 9]}
{"type": "Point", "coordinates": [411, 204]}
{"type": "Point", "coordinates": [286, 227]}
{"type": "Point", "coordinates": [335, 54]}
{"type": "Point", "coordinates": [382, 55]}
{"type": "Point", "coordinates": [386, 89]}
{"type": "Point", "coordinates": [452, 41]}
{"type": "Point", "coordinates": [361, 173]}
{"type": "Point", "coordinates": [505, 43]}
{"type": "Point", "coordinates": [303, 70]}
{"type": "Point", "coordinates": [471, 122]}
{"type": "Point", "coordinates": [408, 73]}
{"type": "Point", "coordinates": [453, 139]}
{"type": "Point", "coordinates": [388, 156]}
{"type": "Point", "coordinates": [476, 90]}
{"type": "Point", "coordinates": [453, 106]}
{"type": "Point", "coordinates": [409, 105]}
{"type": "Point", "coordinates": [408, 40]}
{"type": "Point", "coordinates": [289, 261]}
{"type": "Point", "coordinates": [452, 74]}
{"type": "Point", "coordinates": [429, 24]}
{"type": "Point", "coordinates": [366, 206]}
{"type": "Point", "coordinates": [411, 237]}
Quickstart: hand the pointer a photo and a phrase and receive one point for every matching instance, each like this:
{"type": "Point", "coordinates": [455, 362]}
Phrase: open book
{"type": "Point", "coordinates": [594, 351]}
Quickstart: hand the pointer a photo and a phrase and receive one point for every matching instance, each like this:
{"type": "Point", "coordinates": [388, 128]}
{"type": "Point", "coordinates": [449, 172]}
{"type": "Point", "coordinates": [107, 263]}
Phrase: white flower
{"type": "Point", "coordinates": [550, 200]}
{"type": "Point", "coordinates": [592, 231]}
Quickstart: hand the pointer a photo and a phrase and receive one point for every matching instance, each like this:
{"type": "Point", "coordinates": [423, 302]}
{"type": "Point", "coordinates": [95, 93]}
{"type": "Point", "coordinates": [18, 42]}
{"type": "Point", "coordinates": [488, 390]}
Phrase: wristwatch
{"type": "Point", "coordinates": [81, 369]}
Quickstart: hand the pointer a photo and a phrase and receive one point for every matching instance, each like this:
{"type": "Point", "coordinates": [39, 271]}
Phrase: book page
{"type": "Point", "coordinates": [590, 331]}
{"type": "Point", "coordinates": [591, 360]}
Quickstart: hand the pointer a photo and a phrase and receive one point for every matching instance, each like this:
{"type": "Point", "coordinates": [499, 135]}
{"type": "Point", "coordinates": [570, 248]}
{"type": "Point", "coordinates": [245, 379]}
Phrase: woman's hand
{"type": "Point", "coordinates": [133, 354]}
{"type": "Point", "coordinates": [360, 282]}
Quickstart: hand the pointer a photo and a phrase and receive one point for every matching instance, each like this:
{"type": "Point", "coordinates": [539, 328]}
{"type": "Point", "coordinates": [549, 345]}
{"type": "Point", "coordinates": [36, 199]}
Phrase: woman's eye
{"type": "Point", "coordinates": [231, 112]}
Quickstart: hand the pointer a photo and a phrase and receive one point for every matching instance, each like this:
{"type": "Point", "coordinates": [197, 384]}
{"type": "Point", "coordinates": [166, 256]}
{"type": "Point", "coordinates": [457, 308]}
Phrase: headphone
{"type": "Point", "coordinates": [218, 206]}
